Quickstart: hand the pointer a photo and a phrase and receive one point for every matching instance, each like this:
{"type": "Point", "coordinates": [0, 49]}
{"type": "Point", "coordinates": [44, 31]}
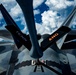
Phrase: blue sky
{"type": "Point", "coordinates": [49, 14]}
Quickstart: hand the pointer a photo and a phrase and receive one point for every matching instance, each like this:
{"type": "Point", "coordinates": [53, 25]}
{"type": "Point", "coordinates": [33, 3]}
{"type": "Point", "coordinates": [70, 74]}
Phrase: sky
{"type": "Point", "coordinates": [48, 14]}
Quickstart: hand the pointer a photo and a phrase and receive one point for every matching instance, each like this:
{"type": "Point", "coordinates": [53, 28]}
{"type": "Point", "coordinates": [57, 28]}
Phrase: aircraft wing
{"type": "Point", "coordinates": [5, 35]}
{"type": "Point", "coordinates": [70, 41]}
{"type": "Point", "coordinates": [3, 43]}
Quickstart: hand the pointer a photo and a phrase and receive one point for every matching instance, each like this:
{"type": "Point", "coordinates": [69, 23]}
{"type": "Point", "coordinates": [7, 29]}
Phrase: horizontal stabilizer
{"type": "Point", "coordinates": [5, 34]}
{"type": "Point", "coordinates": [2, 43]}
{"type": "Point", "coordinates": [51, 39]}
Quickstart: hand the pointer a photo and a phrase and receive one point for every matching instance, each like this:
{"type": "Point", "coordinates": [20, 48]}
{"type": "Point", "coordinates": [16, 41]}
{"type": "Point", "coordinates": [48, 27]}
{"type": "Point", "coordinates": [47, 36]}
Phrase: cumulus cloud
{"type": "Point", "coordinates": [59, 4]}
{"type": "Point", "coordinates": [36, 12]}
{"type": "Point", "coordinates": [15, 11]}
{"type": "Point", "coordinates": [36, 3]}
{"type": "Point", "coordinates": [7, 1]}
{"type": "Point", "coordinates": [25, 30]}
{"type": "Point", "coordinates": [2, 27]}
{"type": "Point", "coordinates": [13, 8]}
{"type": "Point", "coordinates": [73, 25]}
{"type": "Point", "coordinates": [0, 16]}
{"type": "Point", "coordinates": [50, 22]}
{"type": "Point", "coordinates": [41, 29]}
{"type": "Point", "coordinates": [50, 19]}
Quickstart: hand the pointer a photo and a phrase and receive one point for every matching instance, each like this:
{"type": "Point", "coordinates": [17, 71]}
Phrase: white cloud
{"type": "Point", "coordinates": [41, 29]}
{"type": "Point", "coordinates": [25, 30]}
{"type": "Point", "coordinates": [15, 11]}
{"type": "Point", "coordinates": [36, 3]}
{"type": "Point", "coordinates": [13, 8]}
{"type": "Point", "coordinates": [58, 4]}
{"type": "Point", "coordinates": [3, 27]}
{"type": "Point", "coordinates": [36, 12]}
{"type": "Point", "coordinates": [50, 20]}
{"type": "Point", "coordinates": [7, 1]}
{"type": "Point", "coordinates": [74, 22]}
{"type": "Point", "coordinates": [0, 16]}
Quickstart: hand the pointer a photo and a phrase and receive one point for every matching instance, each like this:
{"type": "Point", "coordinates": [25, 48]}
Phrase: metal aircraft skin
{"type": "Point", "coordinates": [51, 52]}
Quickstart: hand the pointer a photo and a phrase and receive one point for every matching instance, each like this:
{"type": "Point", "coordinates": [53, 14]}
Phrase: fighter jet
{"type": "Point", "coordinates": [36, 51]}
